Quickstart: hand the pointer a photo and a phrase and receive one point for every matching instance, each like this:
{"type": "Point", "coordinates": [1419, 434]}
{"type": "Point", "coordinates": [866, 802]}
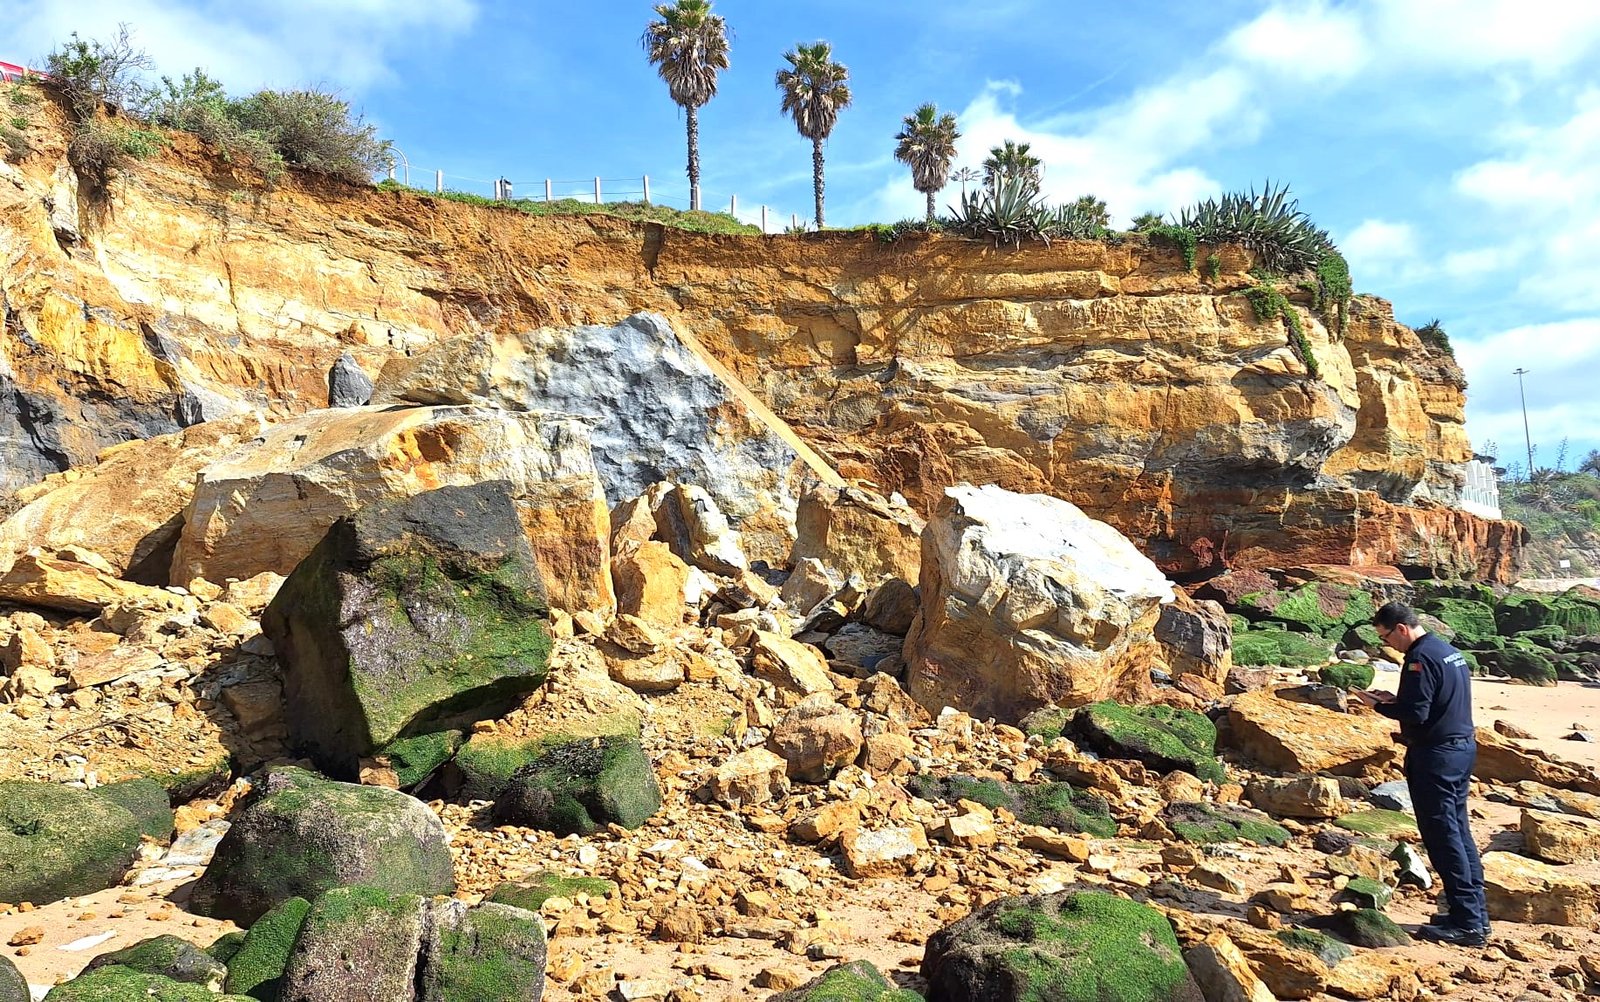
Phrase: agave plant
{"type": "Point", "coordinates": [1008, 213]}
{"type": "Point", "coordinates": [1270, 223]}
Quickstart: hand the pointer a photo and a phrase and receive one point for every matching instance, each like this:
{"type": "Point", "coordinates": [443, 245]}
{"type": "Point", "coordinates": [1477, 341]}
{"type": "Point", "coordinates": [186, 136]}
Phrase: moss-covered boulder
{"type": "Point", "coordinates": [1325, 948]}
{"type": "Point", "coordinates": [1325, 608]}
{"type": "Point", "coordinates": [409, 617]}
{"type": "Point", "coordinates": [225, 946]}
{"type": "Point", "coordinates": [300, 835]}
{"type": "Point", "coordinates": [491, 953]}
{"type": "Point", "coordinates": [1262, 646]}
{"type": "Point", "coordinates": [1367, 893]}
{"type": "Point", "coordinates": [256, 968]}
{"type": "Point", "coordinates": [576, 786]}
{"type": "Point", "coordinates": [857, 981]}
{"type": "Point", "coordinates": [1071, 946]}
{"type": "Point", "coordinates": [121, 984]}
{"type": "Point", "coordinates": [419, 756]}
{"type": "Point", "coordinates": [146, 800]}
{"type": "Point", "coordinates": [1522, 661]}
{"type": "Point", "coordinates": [1348, 675]}
{"type": "Point", "coordinates": [1473, 622]}
{"type": "Point", "coordinates": [531, 894]}
{"type": "Point", "coordinates": [1571, 612]}
{"type": "Point", "coordinates": [56, 842]}
{"type": "Point", "coordinates": [169, 957]}
{"type": "Point", "coordinates": [1368, 927]}
{"type": "Point", "coordinates": [1052, 805]}
{"type": "Point", "coordinates": [13, 986]}
{"type": "Point", "coordinates": [1364, 637]}
{"type": "Point", "coordinates": [1162, 737]}
{"type": "Point", "coordinates": [1380, 823]}
{"type": "Point", "coordinates": [1048, 722]}
{"type": "Point", "coordinates": [1204, 824]}
{"type": "Point", "coordinates": [357, 943]}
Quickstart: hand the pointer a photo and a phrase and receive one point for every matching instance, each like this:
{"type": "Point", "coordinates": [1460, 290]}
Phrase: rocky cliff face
{"type": "Point", "coordinates": [1105, 374]}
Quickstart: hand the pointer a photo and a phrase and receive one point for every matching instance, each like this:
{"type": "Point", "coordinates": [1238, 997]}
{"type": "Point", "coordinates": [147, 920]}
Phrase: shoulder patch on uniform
{"type": "Point", "coordinates": [1415, 665]}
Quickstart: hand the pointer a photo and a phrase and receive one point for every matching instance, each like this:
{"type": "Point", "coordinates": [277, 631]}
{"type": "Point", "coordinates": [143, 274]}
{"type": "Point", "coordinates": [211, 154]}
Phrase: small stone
{"type": "Point", "coordinates": [27, 936]}
{"type": "Point", "coordinates": [779, 978]}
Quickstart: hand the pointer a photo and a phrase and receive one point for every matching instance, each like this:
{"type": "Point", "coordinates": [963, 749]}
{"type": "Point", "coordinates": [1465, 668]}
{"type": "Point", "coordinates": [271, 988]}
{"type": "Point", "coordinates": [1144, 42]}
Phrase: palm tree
{"type": "Point", "coordinates": [1012, 160]}
{"type": "Point", "coordinates": [927, 144]}
{"type": "Point", "coordinates": [688, 45]}
{"type": "Point", "coordinates": [815, 89]}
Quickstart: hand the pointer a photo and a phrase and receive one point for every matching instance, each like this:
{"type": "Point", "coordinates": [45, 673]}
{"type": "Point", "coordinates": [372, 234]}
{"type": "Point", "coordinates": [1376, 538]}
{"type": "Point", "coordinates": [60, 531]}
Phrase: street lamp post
{"type": "Point", "coordinates": [1526, 438]}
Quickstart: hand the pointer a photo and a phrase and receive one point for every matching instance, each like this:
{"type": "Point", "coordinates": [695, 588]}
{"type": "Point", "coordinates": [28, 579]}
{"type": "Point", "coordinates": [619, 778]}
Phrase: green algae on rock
{"type": "Point", "coordinates": [1162, 737]}
{"type": "Point", "coordinates": [857, 981]}
{"type": "Point", "coordinates": [58, 842]}
{"type": "Point", "coordinates": [1053, 805]}
{"type": "Point", "coordinates": [1204, 824]}
{"type": "Point", "coordinates": [1070, 946]}
{"type": "Point", "coordinates": [121, 984]}
{"type": "Point", "coordinates": [576, 786]}
{"type": "Point", "coordinates": [533, 892]}
{"type": "Point", "coordinates": [1325, 948]}
{"type": "Point", "coordinates": [491, 953]}
{"type": "Point", "coordinates": [300, 835]}
{"type": "Point", "coordinates": [1379, 822]}
{"type": "Point", "coordinates": [169, 957]}
{"type": "Point", "coordinates": [146, 799]}
{"type": "Point", "coordinates": [256, 967]}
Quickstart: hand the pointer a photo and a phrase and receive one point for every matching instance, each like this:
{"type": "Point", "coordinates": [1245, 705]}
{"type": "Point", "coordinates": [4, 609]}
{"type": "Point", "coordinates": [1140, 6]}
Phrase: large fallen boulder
{"type": "Point", "coordinates": [128, 507]}
{"type": "Point", "coordinates": [264, 506]}
{"type": "Point", "coordinates": [1290, 736]}
{"type": "Point", "coordinates": [579, 785]}
{"type": "Point", "coordinates": [300, 835]}
{"type": "Point", "coordinates": [1027, 602]}
{"type": "Point", "coordinates": [1087, 945]}
{"type": "Point", "coordinates": [48, 581]}
{"type": "Point", "coordinates": [369, 945]}
{"type": "Point", "coordinates": [57, 842]}
{"type": "Point", "coordinates": [1195, 637]}
{"type": "Point", "coordinates": [13, 986]}
{"type": "Point", "coordinates": [411, 616]}
{"type": "Point", "coordinates": [661, 409]}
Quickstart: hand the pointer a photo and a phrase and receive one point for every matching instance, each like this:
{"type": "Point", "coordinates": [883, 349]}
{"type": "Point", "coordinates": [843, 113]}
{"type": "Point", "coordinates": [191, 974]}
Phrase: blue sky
{"type": "Point", "coordinates": [1452, 147]}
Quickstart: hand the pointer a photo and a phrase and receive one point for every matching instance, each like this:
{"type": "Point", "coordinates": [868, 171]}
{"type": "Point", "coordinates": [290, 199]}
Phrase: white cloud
{"type": "Point", "coordinates": [342, 43]}
{"type": "Point", "coordinates": [1469, 35]}
{"type": "Point", "coordinates": [1311, 42]}
{"type": "Point", "coordinates": [1544, 188]}
{"type": "Point", "coordinates": [1378, 246]}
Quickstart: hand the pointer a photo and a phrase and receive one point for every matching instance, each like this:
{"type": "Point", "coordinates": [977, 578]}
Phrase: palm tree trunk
{"type": "Point", "coordinates": [694, 157]}
{"type": "Point", "coordinates": [930, 207]}
{"type": "Point", "coordinates": [816, 176]}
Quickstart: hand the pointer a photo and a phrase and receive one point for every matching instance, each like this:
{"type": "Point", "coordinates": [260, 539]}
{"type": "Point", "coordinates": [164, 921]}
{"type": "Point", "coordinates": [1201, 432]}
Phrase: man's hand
{"type": "Point", "coordinates": [1372, 697]}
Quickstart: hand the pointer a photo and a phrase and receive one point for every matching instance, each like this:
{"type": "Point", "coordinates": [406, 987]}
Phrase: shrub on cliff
{"type": "Point", "coordinates": [198, 104]}
{"type": "Point", "coordinates": [315, 130]}
{"type": "Point", "coordinates": [90, 73]}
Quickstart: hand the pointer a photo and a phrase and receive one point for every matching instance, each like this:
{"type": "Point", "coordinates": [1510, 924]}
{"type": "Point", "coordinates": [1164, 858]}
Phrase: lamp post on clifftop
{"type": "Point", "coordinates": [1526, 438]}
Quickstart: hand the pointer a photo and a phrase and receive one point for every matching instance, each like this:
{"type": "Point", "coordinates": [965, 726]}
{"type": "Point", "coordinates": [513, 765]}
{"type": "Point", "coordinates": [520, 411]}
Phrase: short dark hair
{"type": "Point", "coordinates": [1396, 614]}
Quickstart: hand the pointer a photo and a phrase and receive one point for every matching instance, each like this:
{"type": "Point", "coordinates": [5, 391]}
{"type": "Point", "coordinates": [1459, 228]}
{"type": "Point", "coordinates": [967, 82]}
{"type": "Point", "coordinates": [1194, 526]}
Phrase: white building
{"type": "Point", "coordinates": [1481, 495]}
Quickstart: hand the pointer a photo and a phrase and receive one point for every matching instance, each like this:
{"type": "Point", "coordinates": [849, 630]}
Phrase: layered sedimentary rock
{"type": "Point", "coordinates": [1026, 603]}
{"type": "Point", "coordinates": [1106, 374]}
{"type": "Point", "coordinates": [265, 505]}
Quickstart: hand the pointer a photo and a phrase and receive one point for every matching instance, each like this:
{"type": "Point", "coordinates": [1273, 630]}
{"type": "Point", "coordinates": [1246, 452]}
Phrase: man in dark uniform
{"type": "Point", "coordinates": [1434, 708]}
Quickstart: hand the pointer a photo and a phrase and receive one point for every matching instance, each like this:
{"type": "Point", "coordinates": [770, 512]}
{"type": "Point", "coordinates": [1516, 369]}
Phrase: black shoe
{"type": "Point", "coordinates": [1443, 919]}
{"type": "Point", "coordinates": [1454, 935]}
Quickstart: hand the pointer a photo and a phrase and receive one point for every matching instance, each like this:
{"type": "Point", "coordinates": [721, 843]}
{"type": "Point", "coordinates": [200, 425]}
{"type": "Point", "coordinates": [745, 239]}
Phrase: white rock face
{"type": "Point", "coordinates": [1027, 602]}
{"type": "Point", "coordinates": [660, 410]}
{"type": "Point", "coordinates": [266, 504]}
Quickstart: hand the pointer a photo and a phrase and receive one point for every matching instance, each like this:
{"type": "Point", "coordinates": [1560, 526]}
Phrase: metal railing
{"type": "Point", "coordinates": [596, 190]}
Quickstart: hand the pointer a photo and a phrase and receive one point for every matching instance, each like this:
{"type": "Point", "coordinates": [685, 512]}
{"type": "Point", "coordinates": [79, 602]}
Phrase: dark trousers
{"type": "Point", "coordinates": [1438, 776]}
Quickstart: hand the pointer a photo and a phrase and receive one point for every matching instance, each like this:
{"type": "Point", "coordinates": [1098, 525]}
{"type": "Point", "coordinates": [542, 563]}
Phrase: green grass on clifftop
{"type": "Point", "coordinates": [694, 222]}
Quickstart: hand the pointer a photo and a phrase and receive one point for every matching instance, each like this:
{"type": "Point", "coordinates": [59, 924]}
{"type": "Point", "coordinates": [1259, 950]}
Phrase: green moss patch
{"type": "Point", "coordinates": [1368, 927]}
{"type": "Point", "coordinates": [225, 946]}
{"type": "Point", "coordinates": [533, 893]}
{"type": "Point", "coordinates": [494, 953]}
{"type": "Point", "coordinates": [1321, 607]}
{"type": "Point", "coordinates": [1379, 822]}
{"type": "Point", "coordinates": [58, 842]}
{"type": "Point", "coordinates": [1161, 737]}
{"type": "Point", "coordinates": [146, 800]}
{"type": "Point", "coordinates": [1267, 646]}
{"type": "Point", "coordinates": [1204, 824]}
{"type": "Point", "coordinates": [169, 957]}
{"type": "Point", "coordinates": [1052, 805]}
{"type": "Point", "coordinates": [1367, 893]}
{"type": "Point", "coordinates": [857, 981]}
{"type": "Point", "coordinates": [415, 758]}
{"type": "Point", "coordinates": [1346, 675]}
{"type": "Point", "coordinates": [1570, 613]}
{"type": "Point", "coordinates": [119, 984]}
{"type": "Point", "coordinates": [1325, 948]}
{"type": "Point", "coordinates": [1049, 722]}
{"type": "Point", "coordinates": [1073, 946]}
{"type": "Point", "coordinates": [257, 968]}
{"type": "Point", "coordinates": [575, 787]}
{"type": "Point", "coordinates": [1474, 622]}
